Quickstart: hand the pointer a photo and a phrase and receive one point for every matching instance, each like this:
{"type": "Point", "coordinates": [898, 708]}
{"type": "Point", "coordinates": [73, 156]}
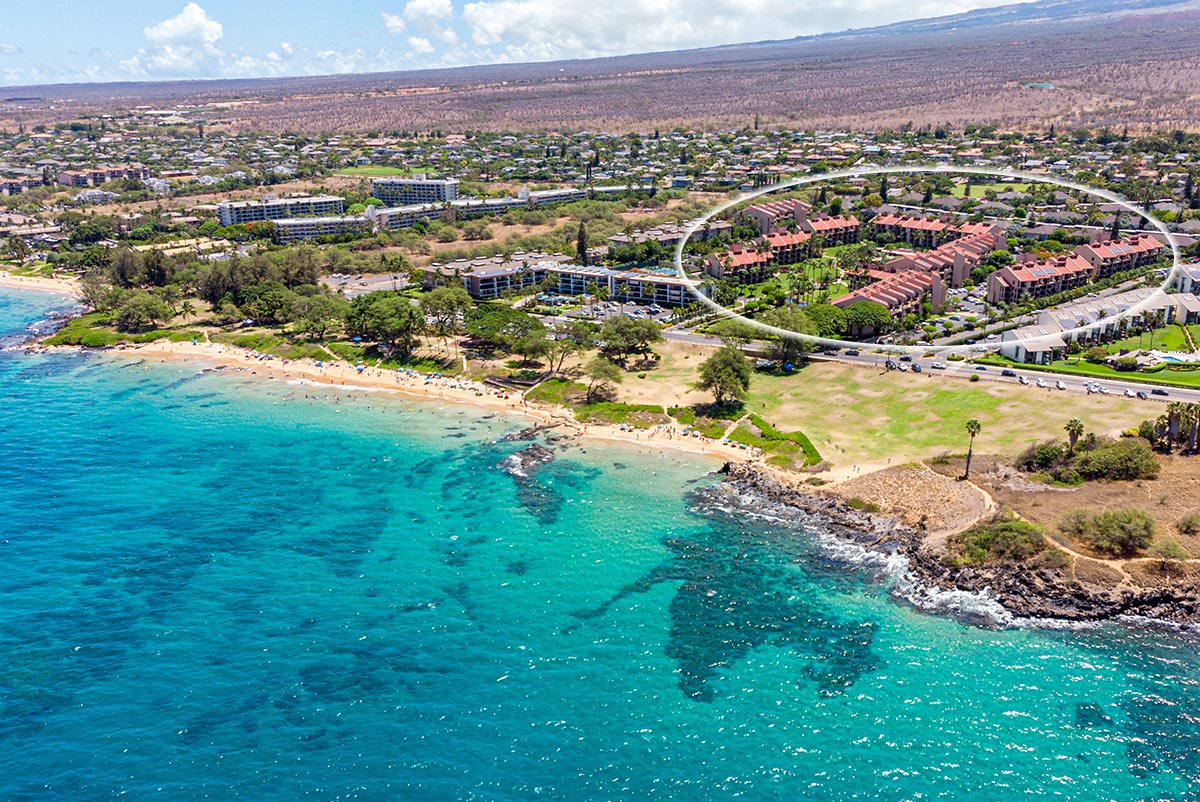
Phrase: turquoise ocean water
{"type": "Point", "coordinates": [217, 587]}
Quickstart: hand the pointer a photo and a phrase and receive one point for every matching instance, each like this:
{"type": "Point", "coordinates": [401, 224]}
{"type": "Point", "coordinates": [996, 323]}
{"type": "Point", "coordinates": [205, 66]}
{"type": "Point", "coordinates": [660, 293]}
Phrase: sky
{"type": "Point", "coordinates": [137, 40]}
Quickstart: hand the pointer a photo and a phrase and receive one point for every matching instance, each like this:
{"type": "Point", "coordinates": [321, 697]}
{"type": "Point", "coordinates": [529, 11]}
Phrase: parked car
{"type": "Point", "coordinates": [852, 352]}
{"type": "Point", "coordinates": [938, 366]}
{"type": "Point", "coordinates": [1060, 385]}
{"type": "Point", "coordinates": [1159, 391]}
{"type": "Point", "coordinates": [1128, 393]}
{"type": "Point", "coordinates": [1041, 382]}
{"type": "Point", "coordinates": [916, 368]}
{"type": "Point", "coordinates": [906, 358]}
{"type": "Point", "coordinates": [1023, 379]}
{"type": "Point", "coordinates": [1142, 395]}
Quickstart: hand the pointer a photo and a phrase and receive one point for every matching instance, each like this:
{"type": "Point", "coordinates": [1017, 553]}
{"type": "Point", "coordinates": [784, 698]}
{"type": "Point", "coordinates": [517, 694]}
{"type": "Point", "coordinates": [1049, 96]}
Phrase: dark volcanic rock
{"type": "Point", "coordinates": [1024, 591]}
{"type": "Point", "coordinates": [522, 464]}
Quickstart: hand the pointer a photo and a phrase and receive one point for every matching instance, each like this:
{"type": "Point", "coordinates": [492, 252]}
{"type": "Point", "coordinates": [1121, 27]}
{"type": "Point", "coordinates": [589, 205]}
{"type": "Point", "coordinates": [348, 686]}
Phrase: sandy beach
{"type": "Point", "coordinates": [68, 288]}
{"type": "Point", "coordinates": [946, 515]}
{"type": "Point", "coordinates": [430, 386]}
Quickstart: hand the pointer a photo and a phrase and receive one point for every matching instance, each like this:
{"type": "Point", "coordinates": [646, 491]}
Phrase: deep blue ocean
{"type": "Point", "coordinates": [215, 586]}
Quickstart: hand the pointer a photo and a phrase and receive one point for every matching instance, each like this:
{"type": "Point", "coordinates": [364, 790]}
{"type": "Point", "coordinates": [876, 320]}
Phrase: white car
{"type": "Point", "coordinates": [1023, 379]}
{"type": "Point", "coordinates": [1042, 382]}
{"type": "Point", "coordinates": [1128, 393]}
{"type": "Point", "coordinates": [1060, 385]}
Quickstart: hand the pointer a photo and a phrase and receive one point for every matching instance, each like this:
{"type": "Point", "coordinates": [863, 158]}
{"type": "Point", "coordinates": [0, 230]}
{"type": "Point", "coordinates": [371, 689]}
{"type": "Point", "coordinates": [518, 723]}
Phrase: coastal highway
{"type": "Point", "coordinates": [964, 370]}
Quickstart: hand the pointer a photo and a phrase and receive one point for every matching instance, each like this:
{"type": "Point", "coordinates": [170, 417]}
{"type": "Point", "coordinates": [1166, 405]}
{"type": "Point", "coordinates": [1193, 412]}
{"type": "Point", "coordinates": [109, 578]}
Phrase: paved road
{"type": "Point", "coordinates": [353, 287]}
{"type": "Point", "coordinates": [963, 370]}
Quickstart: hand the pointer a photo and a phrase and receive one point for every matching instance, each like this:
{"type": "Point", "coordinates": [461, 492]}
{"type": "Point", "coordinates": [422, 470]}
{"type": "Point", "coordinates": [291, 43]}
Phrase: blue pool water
{"type": "Point", "coordinates": [220, 587]}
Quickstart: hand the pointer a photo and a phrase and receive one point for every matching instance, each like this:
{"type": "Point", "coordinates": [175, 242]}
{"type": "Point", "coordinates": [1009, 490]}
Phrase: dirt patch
{"type": "Point", "coordinates": [920, 498]}
{"type": "Point", "coordinates": [1166, 499]}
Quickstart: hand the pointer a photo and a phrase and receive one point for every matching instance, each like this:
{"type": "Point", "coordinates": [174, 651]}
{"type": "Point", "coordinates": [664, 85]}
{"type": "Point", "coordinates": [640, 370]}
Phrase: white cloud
{"type": "Point", "coordinates": [536, 30]}
{"type": "Point", "coordinates": [190, 26]}
{"type": "Point", "coordinates": [428, 13]}
{"type": "Point", "coordinates": [8, 49]}
{"type": "Point", "coordinates": [420, 45]}
{"type": "Point", "coordinates": [432, 19]}
{"type": "Point", "coordinates": [183, 46]}
{"type": "Point", "coordinates": [393, 23]}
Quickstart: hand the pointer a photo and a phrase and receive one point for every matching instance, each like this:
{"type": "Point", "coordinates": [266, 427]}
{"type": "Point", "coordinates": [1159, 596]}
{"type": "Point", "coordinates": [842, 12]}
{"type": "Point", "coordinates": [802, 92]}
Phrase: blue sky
{"type": "Point", "coordinates": [122, 40]}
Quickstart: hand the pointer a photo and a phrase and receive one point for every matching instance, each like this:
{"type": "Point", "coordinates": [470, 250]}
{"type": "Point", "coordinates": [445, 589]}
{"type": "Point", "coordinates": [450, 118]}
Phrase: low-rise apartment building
{"type": "Point", "coordinates": [953, 261]}
{"type": "Point", "coordinates": [901, 294]}
{"type": "Point", "coordinates": [1116, 256]}
{"type": "Point", "coordinates": [918, 232]}
{"type": "Point", "coordinates": [1081, 266]}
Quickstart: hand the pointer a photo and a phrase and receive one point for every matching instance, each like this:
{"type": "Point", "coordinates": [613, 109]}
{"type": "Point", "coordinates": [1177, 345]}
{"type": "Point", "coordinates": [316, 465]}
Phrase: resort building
{"type": "Point", "coordinates": [776, 214]}
{"type": "Point", "coordinates": [783, 246]}
{"type": "Point", "coordinates": [1016, 283]}
{"type": "Point", "coordinates": [1187, 278]}
{"type": "Point", "coordinates": [1067, 272]}
{"type": "Point", "coordinates": [96, 176]}
{"type": "Point", "coordinates": [901, 294]}
{"type": "Point", "coordinates": [295, 229]}
{"type": "Point", "coordinates": [451, 274]}
{"type": "Point", "coordinates": [407, 191]}
{"type": "Point", "coordinates": [1098, 319]}
{"type": "Point", "coordinates": [741, 263]}
{"type": "Point", "coordinates": [1115, 256]}
{"type": "Point", "coordinates": [272, 208]}
{"type": "Point", "coordinates": [486, 280]}
{"type": "Point", "coordinates": [918, 232]}
{"type": "Point", "coordinates": [953, 261]}
{"type": "Point", "coordinates": [670, 235]}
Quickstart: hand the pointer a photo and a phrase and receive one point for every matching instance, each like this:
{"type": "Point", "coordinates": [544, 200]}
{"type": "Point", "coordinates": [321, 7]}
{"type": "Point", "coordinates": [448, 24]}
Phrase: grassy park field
{"type": "Point", "coordinates": [858, 416]}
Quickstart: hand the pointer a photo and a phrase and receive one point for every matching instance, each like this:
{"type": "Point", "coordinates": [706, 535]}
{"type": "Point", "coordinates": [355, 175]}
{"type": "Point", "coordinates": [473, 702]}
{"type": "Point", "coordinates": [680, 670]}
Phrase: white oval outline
{"type": "Point", "coordinates": [859, 172]}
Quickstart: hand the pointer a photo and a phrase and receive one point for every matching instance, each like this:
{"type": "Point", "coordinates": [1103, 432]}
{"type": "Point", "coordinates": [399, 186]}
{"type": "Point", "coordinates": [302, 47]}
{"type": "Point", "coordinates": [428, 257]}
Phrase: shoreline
{"type": "Point", "coordinates": [426, 387]}
{"type": "Point", "coordinates": [67, 288]}
{"type": "Point", "coordinates": [1022, 591]}
{"type": "Point", "coordinates": [900, 527]}
{"type": "Point", "coordinates": [407, 383]}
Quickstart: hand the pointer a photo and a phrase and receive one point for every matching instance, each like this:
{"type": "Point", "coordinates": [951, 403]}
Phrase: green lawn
{"type": "Point", "coordinates": [1170, 338]}
{"type": "Point", "coordinates": [373, 170]}
{"type": "Point", "coordinates": [978, 190]}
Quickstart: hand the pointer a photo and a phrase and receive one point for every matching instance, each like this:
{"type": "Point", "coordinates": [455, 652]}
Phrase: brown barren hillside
{"type": "Point", "coordinates": [1110, 62]}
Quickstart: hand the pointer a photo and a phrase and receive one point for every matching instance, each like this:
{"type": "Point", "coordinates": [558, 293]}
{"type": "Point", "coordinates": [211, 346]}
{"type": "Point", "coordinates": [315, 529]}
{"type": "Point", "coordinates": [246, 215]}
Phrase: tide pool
{"type": "Point", "coordinates": [220, 587]}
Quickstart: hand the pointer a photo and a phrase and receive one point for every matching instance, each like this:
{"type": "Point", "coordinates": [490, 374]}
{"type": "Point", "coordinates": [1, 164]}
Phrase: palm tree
{"type": "Point", "coordinates": [1074, 429]}
{"type": "Point", "coordinates": [187, 309]}
{"type": "Point", "coordinates": [973, 428]}
{"type": "Point", "coordinates": [1175, 413]}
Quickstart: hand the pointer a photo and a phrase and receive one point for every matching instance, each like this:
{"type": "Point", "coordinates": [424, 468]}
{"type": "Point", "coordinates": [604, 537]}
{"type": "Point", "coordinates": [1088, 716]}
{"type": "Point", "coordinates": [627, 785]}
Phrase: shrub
{"type": "Point", "coordinates": [1055, 558]}
{"type": "Point", "coordinates": [1042, 457]}
{"type": "Point", "coordinates": [1119, 532]}
{"type": "Point", "coordinates": [1189, 524]}
{"type": "Point", "coordinates": [861, 505]}
{"type": "Point", "coordinates": [1006, 540]}
{"type": "Point", "coordinates": [1169, 553]}
{"type": "Point", "coordinates": [1122, 459]}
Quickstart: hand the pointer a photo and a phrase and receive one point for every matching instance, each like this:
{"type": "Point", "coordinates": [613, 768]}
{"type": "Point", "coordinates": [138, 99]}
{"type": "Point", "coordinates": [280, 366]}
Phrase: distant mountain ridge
{"type": "Point", "coordinates": [1110, 62]}
{"type": "Point", "coordinates": [1027, 13]}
